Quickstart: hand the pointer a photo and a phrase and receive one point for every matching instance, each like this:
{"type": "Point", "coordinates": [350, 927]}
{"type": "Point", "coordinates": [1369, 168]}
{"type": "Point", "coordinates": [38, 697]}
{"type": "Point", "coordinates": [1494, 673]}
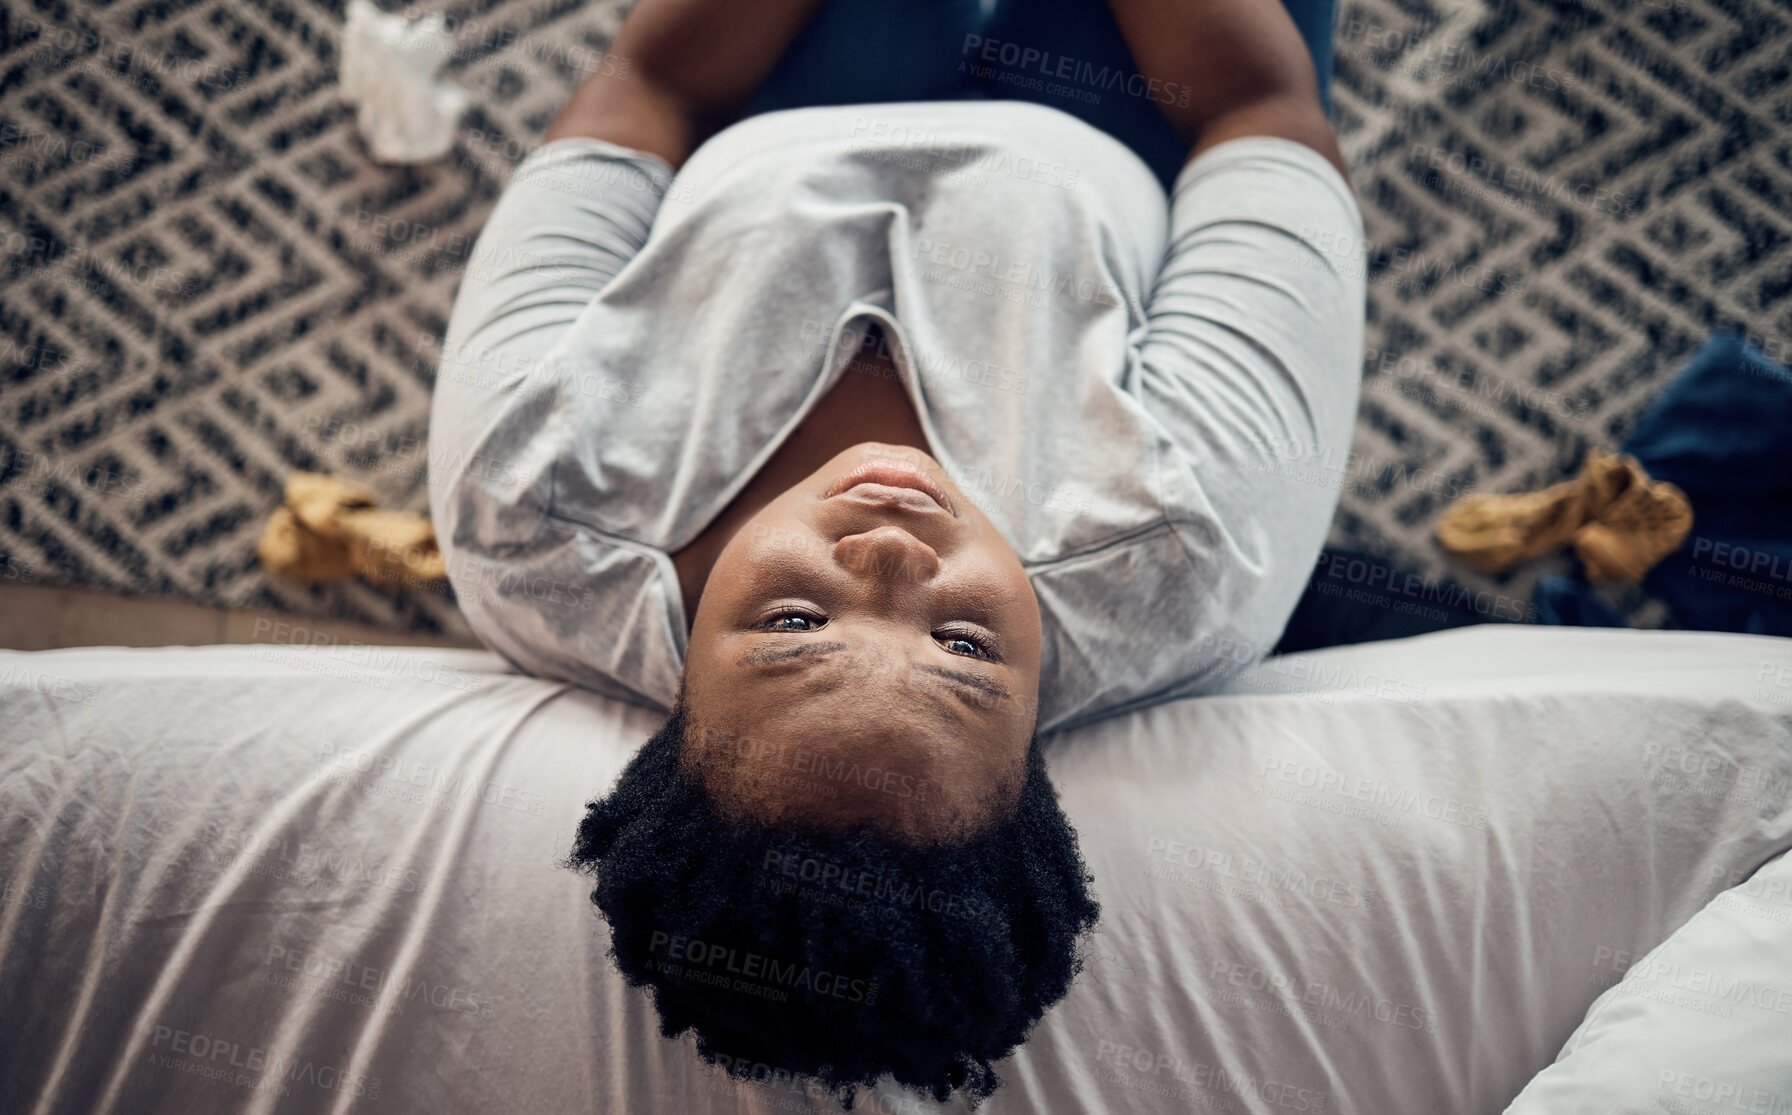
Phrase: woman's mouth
{"type": "Point", "coordinates": [893, 474]}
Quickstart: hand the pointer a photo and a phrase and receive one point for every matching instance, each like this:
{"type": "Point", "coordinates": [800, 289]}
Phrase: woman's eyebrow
{"type": "Point", "coordinates": [771, 656]}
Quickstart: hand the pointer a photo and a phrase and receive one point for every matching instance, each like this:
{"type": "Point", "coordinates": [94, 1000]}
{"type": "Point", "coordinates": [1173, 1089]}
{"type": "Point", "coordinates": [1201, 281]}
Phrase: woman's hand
{"type": "Point", "coordinates": [680, 70]}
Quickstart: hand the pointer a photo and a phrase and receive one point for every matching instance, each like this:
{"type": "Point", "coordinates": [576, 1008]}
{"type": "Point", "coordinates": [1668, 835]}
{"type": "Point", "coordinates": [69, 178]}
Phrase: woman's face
{"type": "Point", "coordinates": [866, 649]}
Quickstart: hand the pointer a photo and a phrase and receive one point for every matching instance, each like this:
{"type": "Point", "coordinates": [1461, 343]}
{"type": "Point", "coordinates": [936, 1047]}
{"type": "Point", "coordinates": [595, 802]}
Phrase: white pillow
{"type": "Point", "coordinates": [1700, 1024]}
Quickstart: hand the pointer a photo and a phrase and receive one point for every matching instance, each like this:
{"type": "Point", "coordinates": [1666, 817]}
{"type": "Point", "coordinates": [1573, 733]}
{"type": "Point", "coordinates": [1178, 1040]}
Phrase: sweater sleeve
{"type": "Point", "coordinates": [1250, 365]}
{"type": "Point", "coordinates": [535, 587]}
{"type": "Point", "coordinates": [574, 214]}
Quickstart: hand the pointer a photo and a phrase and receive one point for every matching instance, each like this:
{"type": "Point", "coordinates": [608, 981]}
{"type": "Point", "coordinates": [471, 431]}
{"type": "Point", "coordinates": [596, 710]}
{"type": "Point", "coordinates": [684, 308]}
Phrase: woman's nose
{"type": "Point", "coordinates": [887, 553]}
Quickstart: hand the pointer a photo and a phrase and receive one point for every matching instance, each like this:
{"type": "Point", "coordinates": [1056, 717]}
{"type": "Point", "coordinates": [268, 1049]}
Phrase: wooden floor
{"type": "Point", "coordinates": [36, 617]}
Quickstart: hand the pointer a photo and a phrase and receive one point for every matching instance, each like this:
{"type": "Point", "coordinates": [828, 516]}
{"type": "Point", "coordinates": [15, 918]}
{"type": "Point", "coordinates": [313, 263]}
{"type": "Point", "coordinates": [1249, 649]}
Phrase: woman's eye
{"type": "Point", "coordinates": [966, 645]}
{"type": "Point", "coordinates": [791, 621]}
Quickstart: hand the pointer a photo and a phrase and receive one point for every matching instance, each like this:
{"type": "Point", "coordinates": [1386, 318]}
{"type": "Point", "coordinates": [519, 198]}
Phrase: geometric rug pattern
{"type": "Point", "coordinates": [206, 282]}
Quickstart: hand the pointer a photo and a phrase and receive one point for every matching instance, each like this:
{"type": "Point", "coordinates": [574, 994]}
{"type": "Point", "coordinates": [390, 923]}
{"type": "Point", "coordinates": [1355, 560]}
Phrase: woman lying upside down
{"type": "Point", "coordinates": [876, 389]}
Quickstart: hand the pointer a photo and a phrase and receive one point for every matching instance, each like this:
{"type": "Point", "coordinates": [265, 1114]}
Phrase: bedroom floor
{"type": "Point", "coordinates": [45, 617]}
{"type": "Point", "coordinates": [1562, 202]}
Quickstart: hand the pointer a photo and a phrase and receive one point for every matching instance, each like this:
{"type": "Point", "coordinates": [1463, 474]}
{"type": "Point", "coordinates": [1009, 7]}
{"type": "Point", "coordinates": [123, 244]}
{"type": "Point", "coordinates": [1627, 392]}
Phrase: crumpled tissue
{"type": "Point", "coordinates": [406, 113]}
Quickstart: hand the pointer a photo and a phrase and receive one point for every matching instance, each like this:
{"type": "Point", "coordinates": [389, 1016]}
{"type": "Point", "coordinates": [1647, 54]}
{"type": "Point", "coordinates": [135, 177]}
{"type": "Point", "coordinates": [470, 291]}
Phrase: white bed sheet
{"type": "Point", "coordinates": [1381, 879]}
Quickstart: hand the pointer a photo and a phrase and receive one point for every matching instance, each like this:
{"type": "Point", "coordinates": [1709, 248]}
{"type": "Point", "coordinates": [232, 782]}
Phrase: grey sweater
{"type": "Point", "coordinates": [1149, 399]}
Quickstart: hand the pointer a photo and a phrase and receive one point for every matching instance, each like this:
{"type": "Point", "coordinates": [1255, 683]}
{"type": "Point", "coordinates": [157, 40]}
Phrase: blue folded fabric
{"type": "Point", "coordinates": [1722, 432]}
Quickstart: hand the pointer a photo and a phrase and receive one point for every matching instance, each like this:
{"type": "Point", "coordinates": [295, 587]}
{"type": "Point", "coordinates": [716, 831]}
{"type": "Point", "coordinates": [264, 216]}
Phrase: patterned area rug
{"type": "Point", "coordinates": [208, 284]}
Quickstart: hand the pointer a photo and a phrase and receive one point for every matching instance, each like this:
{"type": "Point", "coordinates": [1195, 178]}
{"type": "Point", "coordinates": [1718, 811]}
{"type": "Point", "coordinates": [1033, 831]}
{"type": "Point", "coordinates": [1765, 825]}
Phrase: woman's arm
{"type": "Point", "coordinates": [1252, 361]}
{"type": "Point", "coordinates": [684, 69]}
{"type": "Point", "coordinates": [1243, 61]}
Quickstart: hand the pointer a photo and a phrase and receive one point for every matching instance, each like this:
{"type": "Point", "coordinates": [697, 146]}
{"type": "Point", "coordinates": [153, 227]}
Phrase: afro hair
{"type": "Point", "coordinates": [838, 956]}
